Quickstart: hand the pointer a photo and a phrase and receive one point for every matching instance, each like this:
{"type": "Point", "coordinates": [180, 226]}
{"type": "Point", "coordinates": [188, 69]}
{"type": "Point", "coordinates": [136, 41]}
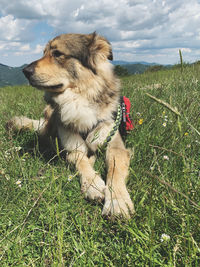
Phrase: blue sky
{"type": "Point", "coordinates": [139, 30]}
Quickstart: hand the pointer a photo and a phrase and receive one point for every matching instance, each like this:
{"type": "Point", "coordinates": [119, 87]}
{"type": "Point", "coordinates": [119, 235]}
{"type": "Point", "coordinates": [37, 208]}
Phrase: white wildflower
{"type": "Point", "coordinates": [70, 177]}
{"type": "Point", "coordinates": [165, 157]}
{"type": "Point", "coordinates": [165, 238]}
{"type": "Point", "coordinates": [19, 183]}
{"type": "Point", "coordinates": [17, 148]}
{"type": "Point", "coordinates": [166, 118]}
{"type": "Point", "coordinates": [164, 124]}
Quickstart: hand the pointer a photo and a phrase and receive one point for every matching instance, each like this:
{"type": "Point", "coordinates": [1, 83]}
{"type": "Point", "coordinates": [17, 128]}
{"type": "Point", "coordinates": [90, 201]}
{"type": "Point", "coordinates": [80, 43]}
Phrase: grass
{"type": "Point", "coordinates": [44, 219]}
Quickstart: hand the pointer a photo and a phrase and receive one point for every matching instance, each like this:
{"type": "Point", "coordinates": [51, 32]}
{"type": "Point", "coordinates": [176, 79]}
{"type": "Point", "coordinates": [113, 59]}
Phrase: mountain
{"type": "Point", "coordinates": [121, 62]}
{"type": "Point", "coordinates": [11, 75]}
{"type": "Point", "coordinates": [134, 67]}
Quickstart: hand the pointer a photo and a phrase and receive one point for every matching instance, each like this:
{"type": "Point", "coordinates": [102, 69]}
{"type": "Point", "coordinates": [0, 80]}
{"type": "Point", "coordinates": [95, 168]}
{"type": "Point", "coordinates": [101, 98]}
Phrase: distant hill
{"type": "Point", "coordinates": [11, 75]}
{"type": "Point", "coordinates": [121, 62]}
{"type": "Point", "coordinates": [134, 67]}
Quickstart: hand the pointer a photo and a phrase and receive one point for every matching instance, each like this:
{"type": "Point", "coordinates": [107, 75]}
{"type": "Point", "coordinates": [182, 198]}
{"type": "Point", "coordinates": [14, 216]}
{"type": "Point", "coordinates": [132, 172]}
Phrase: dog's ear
{"type": "Point", "coordinates": [99, 46]}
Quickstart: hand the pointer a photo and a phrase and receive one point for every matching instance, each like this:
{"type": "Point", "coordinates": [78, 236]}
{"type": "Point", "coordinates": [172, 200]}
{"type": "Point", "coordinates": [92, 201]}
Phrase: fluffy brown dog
{"type": "Point", "coordinates": [82, 94]}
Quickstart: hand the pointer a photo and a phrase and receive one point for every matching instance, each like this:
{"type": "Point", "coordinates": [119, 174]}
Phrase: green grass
{"type": "Point", "coordinates": [45, 221]}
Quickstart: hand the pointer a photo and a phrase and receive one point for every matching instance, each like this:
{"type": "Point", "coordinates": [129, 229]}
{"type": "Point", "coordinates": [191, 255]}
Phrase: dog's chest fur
{"type": "Point", "coordinates": [76, 112]}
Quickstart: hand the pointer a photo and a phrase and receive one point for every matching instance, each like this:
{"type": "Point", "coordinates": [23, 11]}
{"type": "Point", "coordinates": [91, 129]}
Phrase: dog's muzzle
{"type": "Point", "coordinates": [29, 70]}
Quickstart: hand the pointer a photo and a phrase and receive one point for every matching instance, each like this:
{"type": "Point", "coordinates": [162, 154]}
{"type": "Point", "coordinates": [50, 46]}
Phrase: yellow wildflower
{"type": "Point", "coordinates": [140, 121]}
{"type": "Point", "coordinates": [186, 133]}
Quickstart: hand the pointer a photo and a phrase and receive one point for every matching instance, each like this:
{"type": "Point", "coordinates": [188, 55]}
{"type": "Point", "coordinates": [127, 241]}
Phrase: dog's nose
{"type": "Point", "coordinates": [29, 70]}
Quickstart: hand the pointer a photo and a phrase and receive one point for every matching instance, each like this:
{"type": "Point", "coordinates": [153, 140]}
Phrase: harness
{"type": "Point", "coordinates": [117, 123]}
{"type": "Point", "coordinates": [123, 121]}
{"type": "Point", "coordinates": [115, 127]}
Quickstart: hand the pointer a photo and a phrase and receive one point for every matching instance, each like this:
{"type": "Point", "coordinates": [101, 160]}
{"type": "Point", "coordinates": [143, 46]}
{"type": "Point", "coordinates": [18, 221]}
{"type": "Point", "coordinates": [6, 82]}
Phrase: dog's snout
{"type": "Point", "coordinates": [29, 70]}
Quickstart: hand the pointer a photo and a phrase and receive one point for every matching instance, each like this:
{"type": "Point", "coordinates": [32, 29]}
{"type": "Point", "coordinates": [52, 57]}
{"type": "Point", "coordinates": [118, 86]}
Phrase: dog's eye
{"type": "Point", "coordinates": [57, 53]}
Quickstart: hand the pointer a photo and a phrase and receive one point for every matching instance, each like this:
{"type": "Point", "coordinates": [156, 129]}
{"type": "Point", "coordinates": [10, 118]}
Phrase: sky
{"type": "Point", "coordinates": [139, 30]}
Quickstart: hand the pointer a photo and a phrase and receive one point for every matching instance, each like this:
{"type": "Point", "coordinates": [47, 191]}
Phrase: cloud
{"type": "Point", "coordinates": [25, 47]}
{"type": "Point", "coordinates": [11, 29]}
{"type": "Point", "coordinates": [23, 9]}
{"type": "Point", "coordinates": [136, 28]}
{"type": "Point", "coordinates": [39, 49]}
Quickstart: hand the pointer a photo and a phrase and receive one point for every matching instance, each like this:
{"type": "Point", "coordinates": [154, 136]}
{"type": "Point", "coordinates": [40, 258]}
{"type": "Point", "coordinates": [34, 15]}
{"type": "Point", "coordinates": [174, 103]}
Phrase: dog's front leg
{"type": "Point", "coordinates": [117, 199]}
{"type": "Point", "coordinates": [41, 126]}
{"type": "Point", "coordinates": [92, 185]}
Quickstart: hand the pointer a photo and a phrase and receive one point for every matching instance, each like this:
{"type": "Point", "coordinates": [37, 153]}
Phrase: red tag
{"type": "Point", "coordinates": [129, 122]}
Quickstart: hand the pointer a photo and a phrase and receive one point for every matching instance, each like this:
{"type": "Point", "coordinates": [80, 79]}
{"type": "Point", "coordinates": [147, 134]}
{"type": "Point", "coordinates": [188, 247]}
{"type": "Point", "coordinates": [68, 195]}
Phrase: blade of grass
{"type": "Point", "coordinates": [164, 104]}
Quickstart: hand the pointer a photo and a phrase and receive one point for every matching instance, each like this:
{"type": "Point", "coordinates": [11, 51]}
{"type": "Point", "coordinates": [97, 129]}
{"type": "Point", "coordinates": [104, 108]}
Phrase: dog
{"type": "Point", "coordinates": [82, 95]}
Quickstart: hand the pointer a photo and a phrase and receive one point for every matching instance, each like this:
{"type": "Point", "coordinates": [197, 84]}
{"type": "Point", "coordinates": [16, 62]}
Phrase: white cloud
{"type": "Point", "coordinates": [14, 44]}
{"type": "Point", "coordinates": [39, 49]}
{"type": "Point", "coordinates": [136, 28]}
{"type": "Point", "coordinates": [24, 9]}
{"type": "Point", "coordinates": [25, 47]}
{"type": "Point", "coordinates": [12, 29]}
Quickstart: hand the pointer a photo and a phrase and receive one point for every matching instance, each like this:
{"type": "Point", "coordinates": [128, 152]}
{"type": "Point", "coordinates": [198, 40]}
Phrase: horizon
{"type": "Point", "coordinates": [126, 62]}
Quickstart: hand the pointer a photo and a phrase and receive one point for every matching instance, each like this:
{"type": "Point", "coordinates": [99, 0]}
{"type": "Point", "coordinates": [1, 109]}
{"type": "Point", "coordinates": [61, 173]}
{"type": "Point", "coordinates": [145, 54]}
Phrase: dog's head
{"type": "Point", "coordinates": [67, 58]}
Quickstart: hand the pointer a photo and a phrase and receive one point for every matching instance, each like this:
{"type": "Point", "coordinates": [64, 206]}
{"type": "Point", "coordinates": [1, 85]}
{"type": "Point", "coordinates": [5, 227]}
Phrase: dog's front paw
{"type": "Point", "coordinates": [14, 124]}
{"type": "Point", "coordinates": [117, 204]}
{"type": "Point", "coordinates": [20, 123]}
{"type": "Point", "coordinates": [94, 189]}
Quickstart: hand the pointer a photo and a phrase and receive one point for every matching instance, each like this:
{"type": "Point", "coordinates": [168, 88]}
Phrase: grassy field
{"type": "Point", "coordinates": [44, 219]}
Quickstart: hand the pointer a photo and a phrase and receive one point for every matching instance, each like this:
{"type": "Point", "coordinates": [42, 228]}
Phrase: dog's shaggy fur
{"type": "Point", "coordinates": [82, 94]}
